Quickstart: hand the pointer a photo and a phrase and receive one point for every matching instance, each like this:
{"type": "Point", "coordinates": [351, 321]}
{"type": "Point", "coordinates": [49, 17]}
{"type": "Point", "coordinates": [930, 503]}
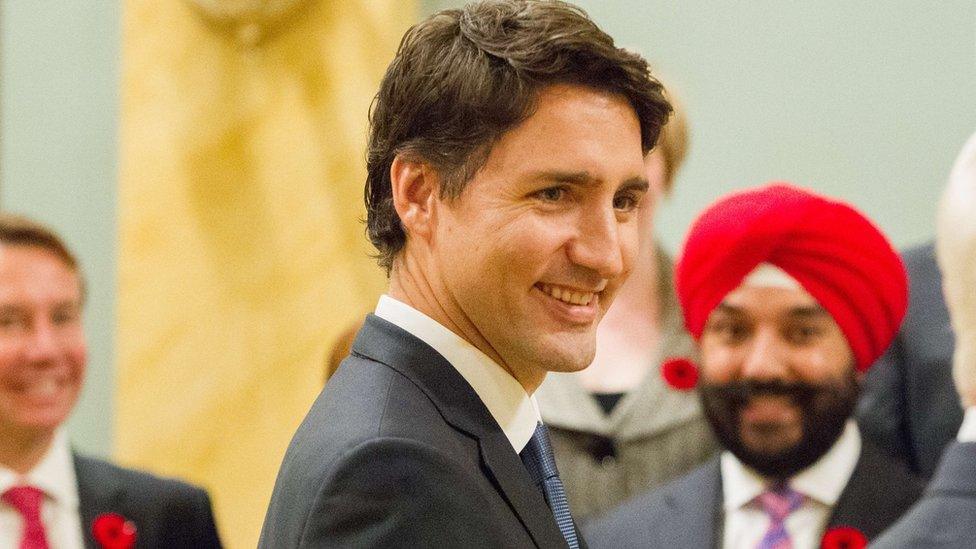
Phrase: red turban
{"type": "Point", "coordinates": [830, 248]}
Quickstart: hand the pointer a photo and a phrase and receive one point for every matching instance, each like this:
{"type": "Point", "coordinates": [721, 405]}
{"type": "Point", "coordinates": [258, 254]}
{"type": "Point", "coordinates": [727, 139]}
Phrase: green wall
{"type": "Point", "coordinates": [59, 65]}
{"type": "Point", "coordinates": [868, 101]}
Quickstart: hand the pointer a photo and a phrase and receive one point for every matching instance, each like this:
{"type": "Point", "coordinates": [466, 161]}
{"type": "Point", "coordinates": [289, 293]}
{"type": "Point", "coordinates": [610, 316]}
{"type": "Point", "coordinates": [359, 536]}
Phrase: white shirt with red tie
{"type": "Point", "coordinates": [55, 476]}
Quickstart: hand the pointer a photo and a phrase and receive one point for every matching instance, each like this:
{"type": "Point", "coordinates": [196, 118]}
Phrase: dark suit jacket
{"type": "Point", "coordinates": [688, 511]}
{"type": "Point", "coordinates": [909, 405]}
{"type": "Point", "coordinates": [399, 451]}
{"type": "Point", "coordinates": [168, 514]}
{"type": "Point", "coordinates": [945, 518]}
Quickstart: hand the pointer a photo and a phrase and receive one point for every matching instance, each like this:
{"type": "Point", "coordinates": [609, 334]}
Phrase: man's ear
{"type": "Point", "coordinates": [415, 187]}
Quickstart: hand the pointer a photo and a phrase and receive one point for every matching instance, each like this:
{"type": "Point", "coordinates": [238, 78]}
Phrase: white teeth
{"type": "Point", "coordinates": [568, 296]}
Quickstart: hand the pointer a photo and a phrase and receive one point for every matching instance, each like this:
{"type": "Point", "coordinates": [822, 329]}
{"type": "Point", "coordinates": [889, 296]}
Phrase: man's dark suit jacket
{"type": "Point", "coordinates": [909, 405]}
{"type": "Point", "coordinates": [945, 518]}
{"type": "Point", "coordinates": [688, 511]}
{"type": "Point", "coordinates": [168, 514]}
{"type": "Point", "coordinates": [399, 451]}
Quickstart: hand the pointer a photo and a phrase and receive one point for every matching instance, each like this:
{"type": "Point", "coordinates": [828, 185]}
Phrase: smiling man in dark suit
{"type": "Point", "coordinates": [791, 296]}
{"type": "Point", "coordinates": [505, 168]}
{"type": "Point", "coordinates": [49, 495]}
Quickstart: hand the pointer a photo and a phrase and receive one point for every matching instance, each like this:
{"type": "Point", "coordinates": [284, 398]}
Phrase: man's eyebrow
{"type": "Point", "coordinates": [583, 178]}
{"type": "Point", "coordinates": [575, 178]}
{"type": "Point", "coordinates": [810, 311]}
{"type": "Point", "coordinates": [635, 183]}
{"type": "Point", "coordinates": [724, 307]}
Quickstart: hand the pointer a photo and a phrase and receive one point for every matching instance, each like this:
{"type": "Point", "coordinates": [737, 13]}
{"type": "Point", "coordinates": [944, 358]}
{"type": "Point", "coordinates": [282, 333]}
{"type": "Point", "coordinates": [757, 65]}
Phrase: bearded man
{"type": "Point", "coordinates": [791, 297]}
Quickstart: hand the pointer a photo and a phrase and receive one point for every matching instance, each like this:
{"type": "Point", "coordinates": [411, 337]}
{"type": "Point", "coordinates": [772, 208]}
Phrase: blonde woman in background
{"type": "Point", "coordinates": [617, 427]}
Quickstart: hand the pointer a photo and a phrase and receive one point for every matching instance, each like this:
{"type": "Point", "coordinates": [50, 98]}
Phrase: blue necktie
{"type": "Point", "coordinates": [538, 459]}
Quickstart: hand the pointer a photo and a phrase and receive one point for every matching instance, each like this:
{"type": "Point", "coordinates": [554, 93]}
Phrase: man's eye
{"type": "Point", "coordinates": [62, 318]}
{"type": "Point", "coordinates": [626, 202]}
{"type": "Point", "coordinates": [727, 330]}
{"type": "Point", "coordinates": [12, 321]}
{"type": "Point", "coordinates": [551, 194]}
{"type": "Point", "coordinates": [802, 334]}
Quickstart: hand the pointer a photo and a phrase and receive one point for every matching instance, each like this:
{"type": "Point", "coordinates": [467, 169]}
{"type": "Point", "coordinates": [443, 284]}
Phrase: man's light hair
{"type": "Point", "coordinates": [956, 251]}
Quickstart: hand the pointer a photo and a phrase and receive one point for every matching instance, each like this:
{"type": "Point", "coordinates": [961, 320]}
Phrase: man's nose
{"type": "Point", "coordinates": [42, 344]}
{"type": "Point", "coordinates": [765, 359]}
{"type": "Point", "coordinates": [598, 243]}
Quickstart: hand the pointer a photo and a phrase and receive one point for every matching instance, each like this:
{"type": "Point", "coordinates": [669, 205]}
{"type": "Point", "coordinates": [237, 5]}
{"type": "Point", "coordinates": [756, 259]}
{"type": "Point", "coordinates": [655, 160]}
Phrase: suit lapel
{"type": "Point", "coordinates": [97, 494]}
{"type": "Point", "coordinates": [877, 494]}
{"type": "Point", "coordinates": [463, 409]}
{"type": "Point", "coordinates": [522, 495]}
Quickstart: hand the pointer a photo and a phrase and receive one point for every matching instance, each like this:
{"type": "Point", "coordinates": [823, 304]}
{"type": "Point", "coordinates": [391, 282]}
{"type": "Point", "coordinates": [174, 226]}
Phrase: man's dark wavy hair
{"type": "Point", "coordinates": [462, 78]}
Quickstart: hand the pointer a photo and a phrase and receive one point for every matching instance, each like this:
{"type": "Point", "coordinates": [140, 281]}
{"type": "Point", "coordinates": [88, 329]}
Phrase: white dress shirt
{"type": "Point", "coordinates": [55, 476]}
{"type": "Point", "coordinates": [514, 410]}
{"type": "Point", "coordinates": [967, 432]}
{"type": "Point", "coordinates": [821, 485]}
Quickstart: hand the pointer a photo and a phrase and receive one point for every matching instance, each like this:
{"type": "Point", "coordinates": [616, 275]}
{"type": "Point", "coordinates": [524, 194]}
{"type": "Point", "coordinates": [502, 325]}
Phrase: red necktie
{"type": "Point", "coordinates": [27, 500]}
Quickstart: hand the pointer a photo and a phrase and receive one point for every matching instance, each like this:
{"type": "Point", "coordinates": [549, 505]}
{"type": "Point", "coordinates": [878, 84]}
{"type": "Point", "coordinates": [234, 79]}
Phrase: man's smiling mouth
{"type": "Point", "coordinates": [570, 296]}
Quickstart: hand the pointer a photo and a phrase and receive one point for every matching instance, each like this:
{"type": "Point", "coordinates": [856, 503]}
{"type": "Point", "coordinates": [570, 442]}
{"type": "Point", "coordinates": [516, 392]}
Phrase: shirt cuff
{"type": "Point", "coordinates": [967, 433]}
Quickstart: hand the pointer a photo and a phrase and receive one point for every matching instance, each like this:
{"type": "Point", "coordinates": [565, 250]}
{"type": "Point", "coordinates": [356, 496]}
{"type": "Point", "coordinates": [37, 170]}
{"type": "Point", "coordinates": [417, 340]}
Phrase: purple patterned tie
{"type": "Point", "coordinates": [778, 502]}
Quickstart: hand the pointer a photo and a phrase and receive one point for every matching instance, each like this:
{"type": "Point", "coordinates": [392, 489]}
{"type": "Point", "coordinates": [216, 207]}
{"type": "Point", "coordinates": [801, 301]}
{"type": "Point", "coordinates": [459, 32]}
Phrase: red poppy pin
{"type": "Point", "coordinates": [113, 531]}
{"type": "Point", "coordinates": [844, 537]}
{"type": "Point", "coordinates": [680, 373]}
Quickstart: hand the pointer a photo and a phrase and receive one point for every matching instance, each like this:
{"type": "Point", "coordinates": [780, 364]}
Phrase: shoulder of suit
{"type": "Point", "coordinates": [95, 469]}
{"type": "Point", "coordinates": [642, 520]}
{"type": "Point", "coordinates": [672, 494]}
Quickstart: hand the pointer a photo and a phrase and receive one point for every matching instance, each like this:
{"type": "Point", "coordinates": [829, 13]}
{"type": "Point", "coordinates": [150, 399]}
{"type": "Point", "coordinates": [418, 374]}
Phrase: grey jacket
{"type": "Point", "coordinates": [945, 517]}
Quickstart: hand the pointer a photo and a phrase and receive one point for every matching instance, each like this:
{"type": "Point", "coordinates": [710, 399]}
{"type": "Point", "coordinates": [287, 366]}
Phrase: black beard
{"type": "Point", "coordinates": [824, 409]}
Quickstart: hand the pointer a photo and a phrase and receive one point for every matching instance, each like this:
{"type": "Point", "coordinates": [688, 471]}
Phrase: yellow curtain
{"type": "Point", "coordinates": [242, 254]}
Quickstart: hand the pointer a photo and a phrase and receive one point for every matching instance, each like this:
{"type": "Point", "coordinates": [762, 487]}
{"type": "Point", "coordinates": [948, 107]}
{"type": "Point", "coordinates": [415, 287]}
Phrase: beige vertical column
{"type": "Point", "coordinates": [242, 254]}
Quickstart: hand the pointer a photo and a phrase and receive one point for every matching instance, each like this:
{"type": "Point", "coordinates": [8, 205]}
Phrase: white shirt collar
{"type": "Point", "coordinates": [967, 432]}
{"type": "Point", "coordinates": [54, 474]}
{"type": "Point", "coordinates": [823, 481]}
{"type": "Point", "coordinates": [515, 411]}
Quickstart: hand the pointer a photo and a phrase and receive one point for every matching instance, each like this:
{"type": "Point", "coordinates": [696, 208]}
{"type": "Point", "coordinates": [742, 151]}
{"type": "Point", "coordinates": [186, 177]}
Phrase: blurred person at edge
{"type": "Point", "coordinates": [791, 297]}
{"type": "Point", "coordinates": [909, 404]}
{"type": "Point", "coordinates": [50, 496]}
{"type": "Point", "coordinates": [618, 429]}
{"type": "Point", "coordinates": [946, 516]}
